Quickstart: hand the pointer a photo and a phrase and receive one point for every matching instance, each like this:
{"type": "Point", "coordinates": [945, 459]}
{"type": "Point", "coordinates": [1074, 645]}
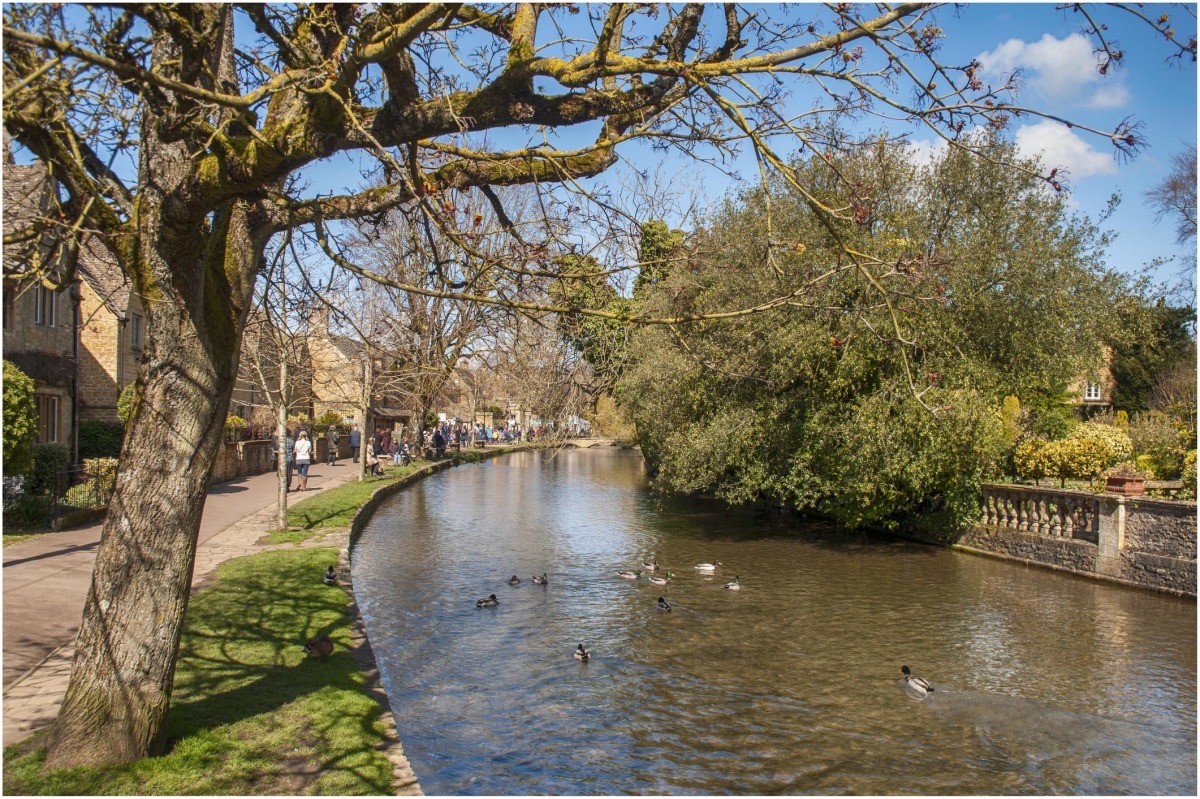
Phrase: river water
{"type": "Point", "coordinates": [1044, 683]}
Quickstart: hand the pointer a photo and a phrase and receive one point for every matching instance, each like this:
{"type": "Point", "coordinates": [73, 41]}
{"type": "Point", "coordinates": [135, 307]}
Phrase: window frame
{"type": "Point", "coordinates": [45, 306]}
{"type": "Point", "coordinates": [48, 410]}
{"type": "Point", "coordinates": [137, 331]}
{"type": "Point", "coordinates": [1093, 392]}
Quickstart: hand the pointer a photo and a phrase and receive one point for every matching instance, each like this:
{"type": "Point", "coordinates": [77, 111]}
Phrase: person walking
{"type": "Point", "coordinates": [439, 442]}
{"type": "Point", "coordinates": [303, 452]}
{"type": "Point", "coordinates": [355, 442]}
{"type": "Point", "coordinates": [332, 438]}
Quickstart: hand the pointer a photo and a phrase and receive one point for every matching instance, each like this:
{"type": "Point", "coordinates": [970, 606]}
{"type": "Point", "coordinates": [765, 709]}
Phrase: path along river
{"type": "Point", "coordinates": [1044, 683]}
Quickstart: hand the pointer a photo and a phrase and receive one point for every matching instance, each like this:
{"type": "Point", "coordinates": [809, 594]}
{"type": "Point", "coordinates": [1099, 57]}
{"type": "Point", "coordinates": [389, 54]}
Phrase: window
{"type": "Point", "coordinates": [136, 324]}
{"type": "Point", "coordinates": [1091, 393]}
{"type": "Point", "coordinates": [47, 408]}
{"type": "Point", "coordinates": [44, 301]}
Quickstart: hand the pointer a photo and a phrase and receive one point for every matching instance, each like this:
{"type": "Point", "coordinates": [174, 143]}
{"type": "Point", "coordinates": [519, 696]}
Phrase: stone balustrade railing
{"type": "Point", "coordinates": [1052, 512]}
{"type": "Point", "coordinates": [1135, 540]}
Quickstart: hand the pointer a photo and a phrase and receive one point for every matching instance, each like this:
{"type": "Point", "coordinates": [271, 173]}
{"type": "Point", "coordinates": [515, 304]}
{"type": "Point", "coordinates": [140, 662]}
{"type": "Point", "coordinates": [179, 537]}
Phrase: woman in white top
{"type": "Point", "coordinates": [303, 452]}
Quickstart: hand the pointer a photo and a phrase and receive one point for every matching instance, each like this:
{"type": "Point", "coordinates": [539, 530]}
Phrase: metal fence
{"type": "Point", "coordinates": [35, 503]}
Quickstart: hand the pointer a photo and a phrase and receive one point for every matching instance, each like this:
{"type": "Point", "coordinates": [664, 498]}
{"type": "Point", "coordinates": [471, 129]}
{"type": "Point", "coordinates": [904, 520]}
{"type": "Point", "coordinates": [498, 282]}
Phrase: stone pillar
{"type": "Point", "coordinates": [1110, 524]}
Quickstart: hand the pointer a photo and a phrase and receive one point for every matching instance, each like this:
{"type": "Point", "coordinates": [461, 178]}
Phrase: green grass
{"type": "Point", "coordinates": [8, 539]}
{"type": "Point", "coordinates": [250, 714]}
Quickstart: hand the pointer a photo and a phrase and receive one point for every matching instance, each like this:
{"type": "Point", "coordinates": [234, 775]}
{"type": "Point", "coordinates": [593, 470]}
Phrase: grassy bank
{"type": "Point", "coordinates": [250, 714]}
{"type": "Point", "coordinates": [336, 506]}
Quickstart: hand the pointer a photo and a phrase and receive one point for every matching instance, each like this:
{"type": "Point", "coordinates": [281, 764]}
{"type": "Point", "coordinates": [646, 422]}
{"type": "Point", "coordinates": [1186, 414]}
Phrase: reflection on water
{"type": "Point", "coordinates": [1045, 684]}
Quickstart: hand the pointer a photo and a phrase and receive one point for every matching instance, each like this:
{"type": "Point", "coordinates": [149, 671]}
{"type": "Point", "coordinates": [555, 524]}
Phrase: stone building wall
{"type": "Point", "coordinates": [99, 345]}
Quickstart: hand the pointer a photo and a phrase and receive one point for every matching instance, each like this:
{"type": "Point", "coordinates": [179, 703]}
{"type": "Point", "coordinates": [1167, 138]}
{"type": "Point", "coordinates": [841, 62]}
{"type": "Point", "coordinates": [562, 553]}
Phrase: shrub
{"type": "Point", "coordinates": [1118, 442]}
{"type": "Point", "coordinates": [329, 419]}
{"type": "Point", "coordinates": [20, 420]}
{"type": "Point", "coordinates": [1154, 435]}
{"type": "Point", "coordinates": [1189, 476]}
{"type": "Point", "coordinates": [1121, 422]}
{"type": "Point", "coordinates": [125, 403]}
{"type": "Point", "coordinates": [48, 459]}
{"type": "Point", "coordinates": [103, 472]}
{"type": "Point", "coordinates": [1066, 458]}
{"type": "Point", "coordinates": [1053, 424]}
{"type": "Point", "coordinates": [99, 439]}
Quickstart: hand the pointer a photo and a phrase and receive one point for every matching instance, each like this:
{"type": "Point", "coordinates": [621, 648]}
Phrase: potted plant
{"type": "Point", "coordinates": [1126, 479]}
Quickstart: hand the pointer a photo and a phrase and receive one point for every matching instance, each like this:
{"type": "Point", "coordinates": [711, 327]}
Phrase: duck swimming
{"type": "Point", "coordinates": [331, 576]}
{"type": "Point", "coordinates": [515, 580]}
{"type": "Point", "coordinates": [582, 654]}
{"type": "Point", "coordinates": [661, 580]}
{"type": "Point", "coordinates": [663, 604]}
{"type": "Point", "coordinates": [708, 567]}
{"type": "Point", "coordinates": [628, 575]}
{"type": "Point", "coordinates": [489, 601]}
{"type": "Point", "coordinates": [650, 565]}
{"type": "Point", "coordinates": [736, 585]}
{"type": "Point", "coordinates": [915, 685]}
{"type": "Point", "coordinates": [540, 580]}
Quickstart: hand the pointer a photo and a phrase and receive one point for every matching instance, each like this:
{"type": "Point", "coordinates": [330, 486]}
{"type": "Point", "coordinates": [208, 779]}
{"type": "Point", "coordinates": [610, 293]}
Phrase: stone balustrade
{"type": "Point", "coordinates": [1150, 543]}
{"type": "Point", "coordinates": [1049, 512]}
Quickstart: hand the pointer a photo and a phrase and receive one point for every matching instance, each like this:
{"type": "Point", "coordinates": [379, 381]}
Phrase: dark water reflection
{"type": "Point", "coordinates": [1045, 684]}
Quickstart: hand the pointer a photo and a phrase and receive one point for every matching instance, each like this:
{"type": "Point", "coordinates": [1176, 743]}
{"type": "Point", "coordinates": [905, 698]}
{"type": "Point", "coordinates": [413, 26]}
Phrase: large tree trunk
{"type": "Point", "coordinates": [194, 278]}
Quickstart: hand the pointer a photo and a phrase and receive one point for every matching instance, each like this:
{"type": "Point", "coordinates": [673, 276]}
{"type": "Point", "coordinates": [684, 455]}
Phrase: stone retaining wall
{"type": "Point", "coordinates": [1148, 543]}
{"type": "Point", "coordinates": [246, 458]}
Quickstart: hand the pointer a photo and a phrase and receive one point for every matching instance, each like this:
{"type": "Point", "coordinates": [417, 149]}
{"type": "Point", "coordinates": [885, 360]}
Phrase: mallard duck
{"type": "Point", "coordinates": [650, 565]}
{"type": "Point", "coordinates": [540, 580]}
{"type": "Point", "coordinates": [663, 604]}
{"type": "Point", "coordinates": [666, 578]}
{"type": "Point", "coordinates": [628, 575]}
{"type": "Point", "coordinates": [736, 585]}
{"type": "Point", "coordinates": [515, 580]}
{"type": "Point", "coordinates": [331, 576]}
{"type": "Point", "coordinates": [488, 601]}
{"type": "Point", "coordinates": [917, 685]}
{"type": "Point", "coordinates": [319, 648]}
{"type": "Point", "coordinates": [582, 654]}
{"type": "Point", "coordinates": [708, 567]}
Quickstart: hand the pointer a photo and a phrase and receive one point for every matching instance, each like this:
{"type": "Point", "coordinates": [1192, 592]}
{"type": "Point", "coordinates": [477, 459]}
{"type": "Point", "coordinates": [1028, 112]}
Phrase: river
{"type": "Point", "coordinates": [1044, 683]}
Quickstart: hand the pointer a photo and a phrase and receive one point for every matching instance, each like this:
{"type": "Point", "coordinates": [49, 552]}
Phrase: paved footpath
{"type": "Point", "coordinates": [47, 579]}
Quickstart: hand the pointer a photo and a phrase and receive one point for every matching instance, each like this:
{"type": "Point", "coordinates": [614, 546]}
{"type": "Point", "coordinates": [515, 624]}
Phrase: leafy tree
{"type": "Point", "coordinates": [181, 139]}
{"type": "Point", "coordinates": [20, 420]}
{"type": "Point", "coordinates": [1157, 341]}
{"type": "Point", "coordinates": [871, 394]}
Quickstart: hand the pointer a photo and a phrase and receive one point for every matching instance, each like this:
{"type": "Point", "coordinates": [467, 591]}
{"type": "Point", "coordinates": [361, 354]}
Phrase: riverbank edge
{"type": "Point", "coordinates": [404, 779]}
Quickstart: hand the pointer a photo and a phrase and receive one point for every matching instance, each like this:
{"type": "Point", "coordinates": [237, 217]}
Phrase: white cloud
{"type": "Point", "coordinates": [1060, 70]}
{"type": "Point", "coordinates": [1059, 146]}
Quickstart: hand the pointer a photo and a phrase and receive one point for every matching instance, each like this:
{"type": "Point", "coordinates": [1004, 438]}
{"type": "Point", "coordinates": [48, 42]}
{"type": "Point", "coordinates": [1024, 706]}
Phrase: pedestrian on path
{"type": "Point", "coordinates": [303, 452]}
{"type": "Point", "coordinates": [332, 437]}
{"type": "Point", "coordinates": [355, 442]}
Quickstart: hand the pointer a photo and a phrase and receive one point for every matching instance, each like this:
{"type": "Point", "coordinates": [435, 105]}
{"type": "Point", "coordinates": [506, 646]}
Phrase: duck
{"type": "Point", "coordinates": [540, 580]}
{"type": "Point", "coordinates": [663, 604]}
{"type": "Point", "coordinates": [708, 567]}
{"type": "Point", "coordinates": [919, 687]}
{"type": "Point", "coordinates": [319, 648]}
{"type": "Point", "coordinates": [736, 585]}
{"type": "Point", "coordinates": [488, 601]}
{"type": "Point", "coordinates": [628, 575]}
{"type": "Point", "coordinates": [515, 580]}
{"type": "Point", "coordinates": [666, 578]}
{"type": "Point", "coordinates": [582, 654]}
{"type": "Point", "coordinates": [650, 565]}
{"type": "Point", "coordinates": [331, 576]}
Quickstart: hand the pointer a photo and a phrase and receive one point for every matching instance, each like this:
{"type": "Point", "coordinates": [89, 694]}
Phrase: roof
{"type": "Point", "coordinates": [352, 349]}
{"type": "Point", "coordinates": [28, 191]}
{"type": "Point", "coordinates": [26, 198]}
{"type": "Point", "coordinates": [96, 265]}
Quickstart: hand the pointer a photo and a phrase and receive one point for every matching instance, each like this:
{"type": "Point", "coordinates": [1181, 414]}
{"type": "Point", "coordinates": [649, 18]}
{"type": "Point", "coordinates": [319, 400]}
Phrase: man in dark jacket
{"type": "Point", "coordinates": [355, 443]}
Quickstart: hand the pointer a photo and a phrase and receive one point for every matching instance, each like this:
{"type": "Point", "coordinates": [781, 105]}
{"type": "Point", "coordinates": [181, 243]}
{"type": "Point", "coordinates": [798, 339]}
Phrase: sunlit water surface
{"type": "Point", "coordinates": [1044, 683]}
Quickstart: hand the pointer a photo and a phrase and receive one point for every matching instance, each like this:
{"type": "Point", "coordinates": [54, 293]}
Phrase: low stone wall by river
{"type": "Point", "coordinates": [1148, 543]}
